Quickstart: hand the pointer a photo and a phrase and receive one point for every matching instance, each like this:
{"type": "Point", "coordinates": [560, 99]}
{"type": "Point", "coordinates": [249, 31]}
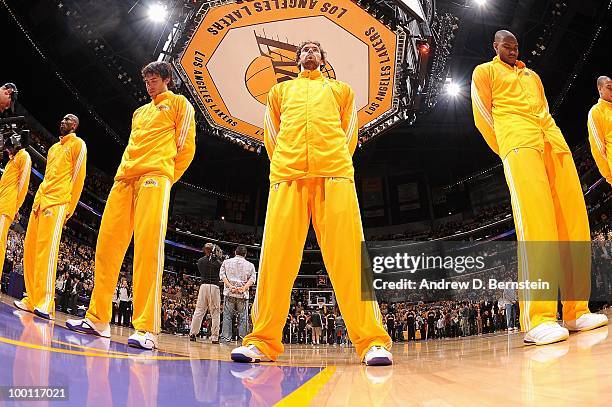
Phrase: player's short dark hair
{"type": "Point", "coordinates": [161, 68]}
{"type": "Point", "coordinates": [298, 52]}
{"type": "Point", "coordinates": [241, 250]}
{"type": "Point", "coordinates": [601, 80]}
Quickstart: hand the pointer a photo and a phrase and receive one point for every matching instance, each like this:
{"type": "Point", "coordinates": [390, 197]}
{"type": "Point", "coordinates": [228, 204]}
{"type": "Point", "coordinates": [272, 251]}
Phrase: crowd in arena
{"type": "Point", "coordinates": [206, 227]}
{"type": "Point", "coordinates": [445, 319]}
{"type": "Point", "coordinates": [404, 321]}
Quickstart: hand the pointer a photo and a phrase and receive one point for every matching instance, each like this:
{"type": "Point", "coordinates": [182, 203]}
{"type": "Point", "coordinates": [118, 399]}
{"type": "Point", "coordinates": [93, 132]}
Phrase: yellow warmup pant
{"type": "Point", "coordinates": [332, 204]}
{"type": "Point", "coordinates": [40, 253]}
{"type": "Point", "coordinates": [136, 207]}
{"type": "Point", "coordinates": [553, 234]}
{"type": "Point", "coordinates": [5, 224]}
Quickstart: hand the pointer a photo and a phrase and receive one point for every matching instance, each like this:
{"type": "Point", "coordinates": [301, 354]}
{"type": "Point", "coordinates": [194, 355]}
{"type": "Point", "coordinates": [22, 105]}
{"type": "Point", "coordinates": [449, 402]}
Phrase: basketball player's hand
{"type": "Point", "coordinates": [68, 215]}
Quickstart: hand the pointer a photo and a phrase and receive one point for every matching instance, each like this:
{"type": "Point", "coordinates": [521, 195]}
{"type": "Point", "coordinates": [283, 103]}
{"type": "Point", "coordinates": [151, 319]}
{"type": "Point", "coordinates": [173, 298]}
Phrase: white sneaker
{"type": "Point", "coordinates": [586, 322]}
{"type": "Point", "coordinates": [378, 356]}
{"type": "Point", "coordinates": [143, 340]}
{"type": "Point", "coordinates": [88, 327]}
{"type": "Point", "coordinates": [249, 354]}
{"type": "Point", "coordinates": [22, 306]}
{"type": "Point", "coordinates": [545, 333]}
{"type": "Point", "coordinates": [43, 314]}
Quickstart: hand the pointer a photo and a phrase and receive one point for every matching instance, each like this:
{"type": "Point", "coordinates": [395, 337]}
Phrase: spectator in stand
{"type": "Point", "coordinates": [124, 295]}
{"type": "Point", "coordinates": [287, 329]}
{"type": "Point", "coordinates": [238, 275]}
{"type": "Point", "coordinates": [115, 316]}
{"type": "Point", "coordinates": [410, 322]}
{"type": "Point", "coordinates": [465, 320]}
{"type": "Point", "coordinates": [209, 297]}
{"type": "Point", "coordinates": [340, 329]}
{"type": "Point", "coordinates": [391, 325]}
{"type": "Point", "coordinates": [317, 323]}
{"type": "Point", "coordinates": [440, 327]}
{"type": "Point", "coordinates": [331, 328]}
{"type": "Point", "coordinates": [301, 321]}
{"type": "Point", "coordinates": [431, 324]}
{"type": "Point", "coordinates": [508, 302]}
{"type": "Point", "coordinates": [78, 290]}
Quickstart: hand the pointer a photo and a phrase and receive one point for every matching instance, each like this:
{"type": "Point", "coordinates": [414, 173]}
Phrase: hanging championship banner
{"type": "Point", "coordinates": [240, 49]}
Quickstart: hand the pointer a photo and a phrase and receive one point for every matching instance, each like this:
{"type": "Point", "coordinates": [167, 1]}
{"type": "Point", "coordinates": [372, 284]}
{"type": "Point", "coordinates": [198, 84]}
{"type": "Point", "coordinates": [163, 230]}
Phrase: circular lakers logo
{"type": "Point", "coordinates": [240, 49]}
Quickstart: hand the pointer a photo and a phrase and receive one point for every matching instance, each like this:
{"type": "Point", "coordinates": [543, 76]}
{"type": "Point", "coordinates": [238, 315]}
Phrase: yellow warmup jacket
{"type": "Point", "coordinates": [14, 183]}
{"type": "Point", "coordinates": [315, 132]}
{"type": "Point", "coordinates": [600, 137]}
{"type": "Point", "coordinates": [510, 108]}
{"type": "Point", "coordinates": [162, 141]}
{"type": "Point", "coordinates": [64, 175]}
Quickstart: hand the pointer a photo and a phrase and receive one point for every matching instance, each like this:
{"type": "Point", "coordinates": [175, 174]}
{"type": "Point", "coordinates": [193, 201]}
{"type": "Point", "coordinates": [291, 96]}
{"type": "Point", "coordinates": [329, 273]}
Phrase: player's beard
{"type": "Point", "coordinates": [311, 64]}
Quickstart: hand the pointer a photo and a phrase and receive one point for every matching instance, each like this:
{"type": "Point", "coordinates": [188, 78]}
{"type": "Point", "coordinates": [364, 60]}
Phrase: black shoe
{"type": "Point", "coordinates": [192, 338]}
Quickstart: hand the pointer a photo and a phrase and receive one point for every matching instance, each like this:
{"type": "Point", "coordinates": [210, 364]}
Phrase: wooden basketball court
{"type": "Point", "coordinates": [481, 370]}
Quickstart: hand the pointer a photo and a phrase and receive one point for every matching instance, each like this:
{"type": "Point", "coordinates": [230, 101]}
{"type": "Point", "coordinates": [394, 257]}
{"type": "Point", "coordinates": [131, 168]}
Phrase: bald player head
{"type": "Point", "coordinates": [604, 86]}
{"type": "Point", "coordinates": [506, 46]}
{"type": "Point", "coordinates": [69, 124]}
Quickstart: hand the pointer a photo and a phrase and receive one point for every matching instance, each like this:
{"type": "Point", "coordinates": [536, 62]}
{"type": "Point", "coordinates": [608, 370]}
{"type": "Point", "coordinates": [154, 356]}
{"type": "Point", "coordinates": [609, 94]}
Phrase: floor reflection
{"type": "Point", "coordinates": [98, 371]}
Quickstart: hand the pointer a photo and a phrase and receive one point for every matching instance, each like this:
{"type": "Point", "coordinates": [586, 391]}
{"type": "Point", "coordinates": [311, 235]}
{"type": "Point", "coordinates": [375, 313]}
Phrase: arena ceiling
{"type": "Point", "coordinates": [99, 46]}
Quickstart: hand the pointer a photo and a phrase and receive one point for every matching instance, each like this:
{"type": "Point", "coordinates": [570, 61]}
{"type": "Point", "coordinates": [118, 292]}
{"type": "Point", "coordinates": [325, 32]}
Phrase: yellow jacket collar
{"type": "Point", "coordinates": [605, 102]}
{"type": "Point", "coordinates": [519, 64]}
{"type": "Point", "coordinates": [310, 74]}
{"type": "Point", "coordinates": [21, 151]}
{"type": "Point", "coordinates": [162, 96]}
{"type": "Point", "coordinates": [67, 137]}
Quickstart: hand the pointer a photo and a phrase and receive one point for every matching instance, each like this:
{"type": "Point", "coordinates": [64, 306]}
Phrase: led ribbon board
{"type": "Point", "coordinates": [241, 49]}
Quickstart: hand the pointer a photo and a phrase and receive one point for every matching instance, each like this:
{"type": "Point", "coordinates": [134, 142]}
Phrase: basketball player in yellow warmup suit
{"type": "Point", "coordinates": [511, 112]}
{"type": "Point", "coordinates": [600, 128]}
{"type": "Point", "coordinates": [310, 133]}
{"type": "Point", "coordinates": [161, 147]}
{"type": "Point", "coordinates": [16, 177]}
{"type": "Point", "coordinates": [54, 203]}
{"type": "Point", "coordinates": [13, 189]}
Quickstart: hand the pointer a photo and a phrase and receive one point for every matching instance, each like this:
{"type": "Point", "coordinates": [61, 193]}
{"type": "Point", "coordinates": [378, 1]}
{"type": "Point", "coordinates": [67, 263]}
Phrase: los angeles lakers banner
{"type": "Point", "coordinates": [241, 49]}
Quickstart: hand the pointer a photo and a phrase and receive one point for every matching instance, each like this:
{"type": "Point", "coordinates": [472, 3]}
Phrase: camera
{"type": "Point", "coordinates": [13, 134]}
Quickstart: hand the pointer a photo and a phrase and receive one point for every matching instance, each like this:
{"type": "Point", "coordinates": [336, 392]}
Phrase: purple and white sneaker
{"type": "Point", "coordinates": [85, 326]}
{"type": "Point", "coordinates": [43, 314]}
{"type": "Point", "coordinates": [143, 340]}
{"type": "Point", "coordinates": [378, 356]}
